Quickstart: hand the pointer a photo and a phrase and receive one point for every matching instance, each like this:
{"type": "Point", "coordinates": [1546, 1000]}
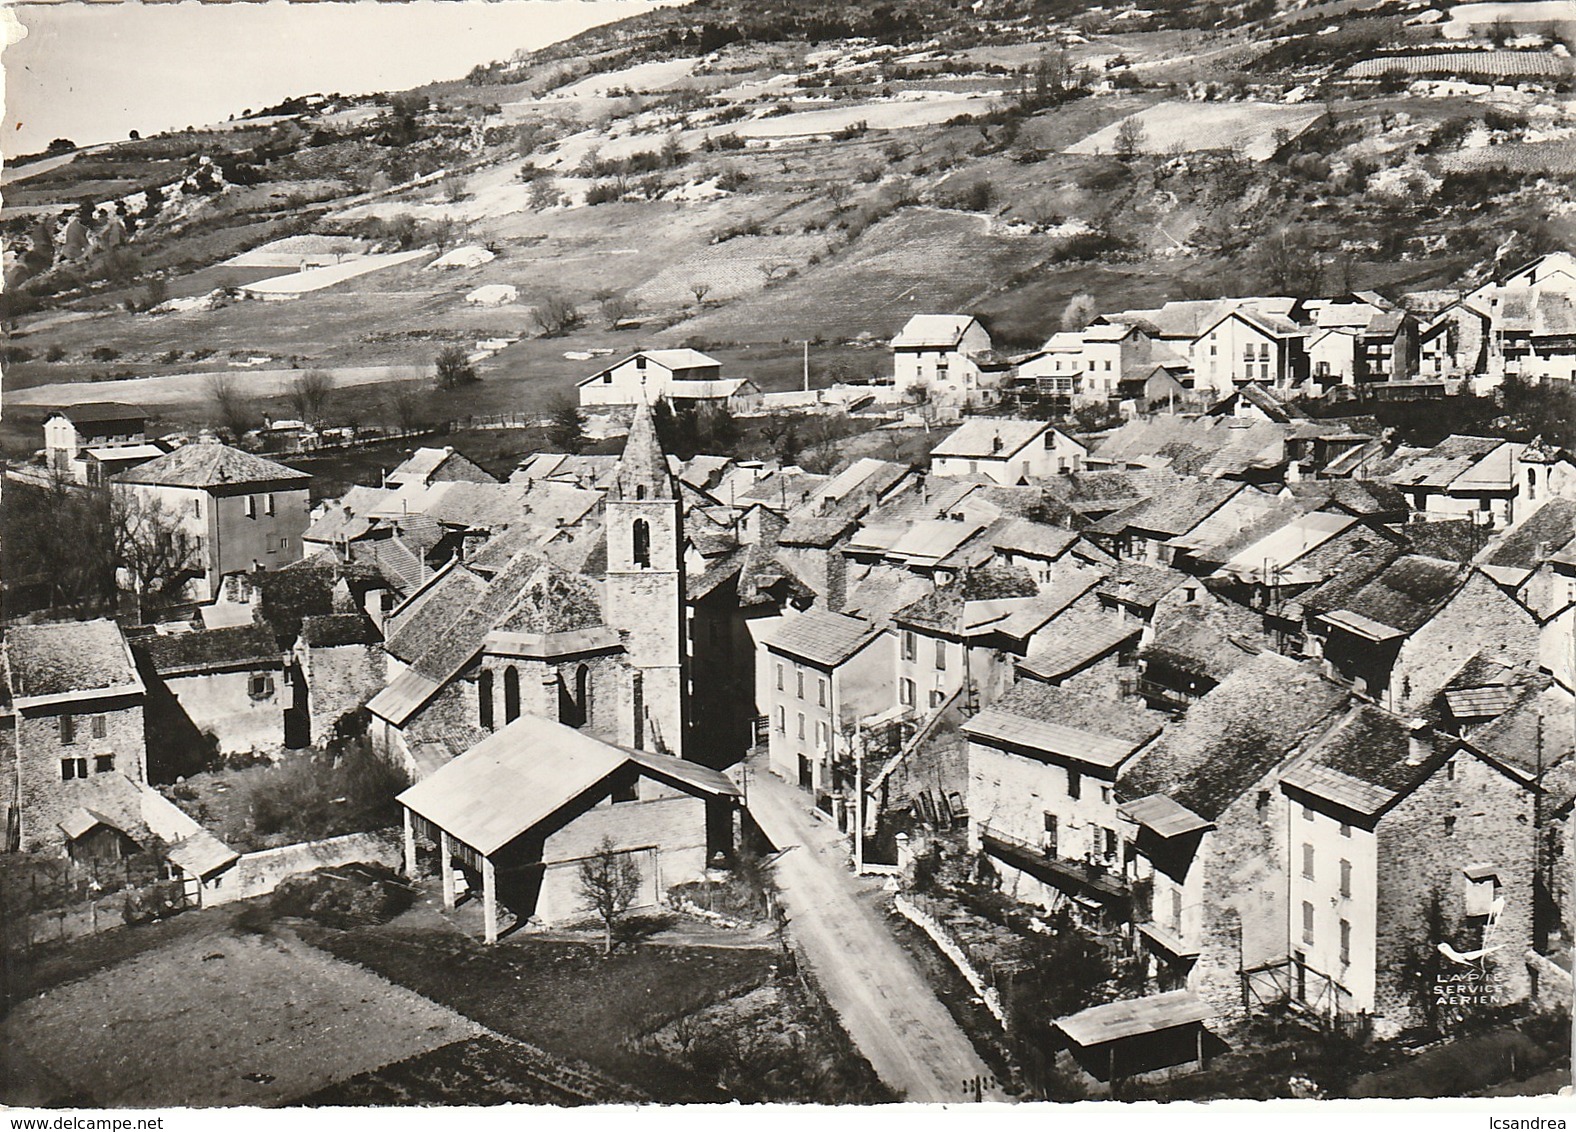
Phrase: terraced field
{"type": "Point", "coordinates": [1248, 126]}
{"type": "Point", "coordinates": [1466, 64]}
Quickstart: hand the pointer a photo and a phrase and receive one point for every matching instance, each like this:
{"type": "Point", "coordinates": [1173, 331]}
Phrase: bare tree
{"type": "Point", "coordinates": [452, 368]}
{"type": "Point", "coordinates": [1080, 312]}
{"type": "Point", "coordinates": [555, 315]}
{"type": "Point", "coordinates": [233, 410]}
{"type": "Point", "coordinates": [309, 393]}
{"type": "Point", "coordinates": [700, 289]}
{"type": "Point", "coordinates": [1131, 138]}
{"type": "Point", "coordinates": [609, 884]}
{"type": "Point", "coordinates": [402, 403]}
{"type": "Point", "coordinates": [158, 554]}
{"type": "Point", "coordinates": [615, 308]}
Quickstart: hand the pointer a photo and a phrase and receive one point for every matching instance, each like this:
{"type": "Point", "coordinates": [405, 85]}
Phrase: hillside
{"type": "Point", "coordinates": [744, 177]}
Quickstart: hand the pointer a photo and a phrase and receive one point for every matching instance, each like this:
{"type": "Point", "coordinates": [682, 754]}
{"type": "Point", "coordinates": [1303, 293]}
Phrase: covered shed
{"type": "Point", "coordinates": [1139, 1036]}
{"type": "Point", "coordinates": [524, 807]}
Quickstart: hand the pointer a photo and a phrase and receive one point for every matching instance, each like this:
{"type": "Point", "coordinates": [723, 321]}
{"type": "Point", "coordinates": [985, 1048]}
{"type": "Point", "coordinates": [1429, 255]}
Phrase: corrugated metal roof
{"type": "Point", "coordinates": [1164, 816]}
{"type": "Point", "coordinates": [511, 780]}
{"type": "Point", "coordinates": [403, 697]}
{"type": "Point", "coordinates": [1133, 1018]}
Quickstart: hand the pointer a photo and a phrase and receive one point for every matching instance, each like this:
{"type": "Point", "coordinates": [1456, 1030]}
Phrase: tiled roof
{"type": "Point", "coordinates": [1173, 512]}
{"type": "Point", "coordinates": [1364, 763]}
{"type": "Point", "coordinates": [1203, 642]}
{"type": "Point", "coordinates": [883, 591]}
{"type": "Point", "coordinates": [1055, 721]}
{"type": "Point", "coordinates": [813, 532]}
{"type": "Point", "coordinates": [1075, 643]}
{"type": "Point", "coordinates": [989, 438]}
{"type": "Point", "coordinates": [1404, 595]}
{"type": "Point", "coordinates": [212, 465]}
{"type": "Point", "coordinates": [1138, 584]}
{"type": "Point", "coordinates": [1235, 735]}
{"type": "Point", "coordinates": [338, 629]}
{"type": "Point", "coordinates": [1041, 540]}
{"type": "Point", "coordinates": [69, 657]}
{"type": "Point", "coordinates": [99, 412]}
{"type": "Point", "coordinates": [823, 638]}
{"type": "Point", "coordinates": [210, 650]}
{"type": "Point", "coordinates": [1537, 728]}
{"type": "Point", "coordinates": [933, 330]}
{"type": "Point", "coordinates": [1547, 531]}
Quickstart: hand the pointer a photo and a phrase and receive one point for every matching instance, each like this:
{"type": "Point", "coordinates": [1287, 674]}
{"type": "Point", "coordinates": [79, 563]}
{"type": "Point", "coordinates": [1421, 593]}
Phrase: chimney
{"type": "Point", "coordinates": [836, 581]}
{"type": "Point", "coordinates": [1419, 742]}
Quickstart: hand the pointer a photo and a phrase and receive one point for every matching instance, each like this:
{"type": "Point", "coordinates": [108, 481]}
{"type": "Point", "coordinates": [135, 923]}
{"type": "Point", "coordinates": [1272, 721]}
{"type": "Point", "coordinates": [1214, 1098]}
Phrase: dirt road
{"type": "Point", "coordinates": [889, 1010]}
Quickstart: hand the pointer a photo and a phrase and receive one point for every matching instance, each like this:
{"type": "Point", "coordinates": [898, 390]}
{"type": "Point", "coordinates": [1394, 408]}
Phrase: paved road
{"type": "Point", "coordinates": [889, 1010]}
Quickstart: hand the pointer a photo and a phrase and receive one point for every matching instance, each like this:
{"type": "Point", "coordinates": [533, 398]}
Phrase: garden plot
{"type": "Point", "coordinates": [317, 278]}
{"type": "Point", "coordinates": [1465, 19]}
{"type": "Point", "coordinates": [728, 270]}
{"type": "Point", "coordinates": [660, 75]}
{"type": "Point", "coordinates": [1248, 126]}
{"type": "Point", "coordinates": [1489, 65]}
{"type": "Point", "coordinates": [917, 108]}
{"type": "Point", "coordinates": [221, 1020]}
{"type": "Point", "coordinates": [290, 251]}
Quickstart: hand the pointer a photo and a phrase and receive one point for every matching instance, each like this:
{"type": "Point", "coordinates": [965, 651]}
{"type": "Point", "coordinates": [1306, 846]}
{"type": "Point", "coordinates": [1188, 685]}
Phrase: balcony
{"type": "Point", "coordinates": [1077, 878]}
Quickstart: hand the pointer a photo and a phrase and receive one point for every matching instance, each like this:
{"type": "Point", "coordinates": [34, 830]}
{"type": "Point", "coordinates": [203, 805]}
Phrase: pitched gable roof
{"type": "Point", "coordinates": [823, 638]}
{"type": "Point", "coordinates": [1041, 718]}
{"type": "Point", "coordinates": [933, 330]}
{"type": "Point", "coordinates": [71, 658]}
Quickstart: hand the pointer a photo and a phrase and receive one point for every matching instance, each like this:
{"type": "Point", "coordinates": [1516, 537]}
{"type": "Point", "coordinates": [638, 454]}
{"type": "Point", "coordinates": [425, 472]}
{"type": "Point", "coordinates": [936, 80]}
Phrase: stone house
{"type": "Point", "coordinates": [1042, 766]}
{"type": "Point", "coordinates": [79, 728]}
{"type": "Point", "coordinates": [1007, 451]}
{"type": "Point", "coordinates": [1478, 619]}
{"type": "Point", "coordinates": [229, 684]}
{"type": "Point", "coordinates": [1208, 829]}
{"type": "Point", "coordinates": [340, 665]}
{"type": "Point", "coordinates": [519, 812]}
{"type": "Point", "coordinates": [828, 672]}
{"type": "Point", "coordinates": [92, 424]}
{"type": "Point", "coordinates": [246, 513]}
{"type": "Point", "coordinates": [427, 466]}
{"type": "Point", "coordinates": [946, 356]}
{"type": "Point", "coordinates": [1391, 829]}
{"type": "Point", "coordinates": [1248, 344]}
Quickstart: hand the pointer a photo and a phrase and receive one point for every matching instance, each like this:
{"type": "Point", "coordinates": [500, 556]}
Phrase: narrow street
{"type": "Point", "coordinates": [886, 1005]}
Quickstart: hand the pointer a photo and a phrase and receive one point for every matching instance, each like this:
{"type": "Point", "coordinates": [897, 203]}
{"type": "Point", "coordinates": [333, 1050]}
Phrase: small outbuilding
{"type": "Point", "coordinates": [1137, 1037]}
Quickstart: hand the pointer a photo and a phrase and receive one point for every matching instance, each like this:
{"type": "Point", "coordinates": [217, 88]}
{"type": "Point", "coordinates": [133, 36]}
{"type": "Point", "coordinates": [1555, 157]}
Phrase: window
{"type": "Point", "coordinates": [627, 789]}
{"type": "Point", "coordinates": [1450, 770]}
{"type": "Point", "coordinates": [641, 542]}
{"type": "Point", "coordinates": [1105, 795]}
{"type": "Point", "coordinates": [1450, 826]}
{"type": "Point", "coordinates": [910, 645]}
{"type": "Point", "coordinates": [798, 680]}
{"type": "Point", "coordinates": [1110, 844]}
{"type": "Point", "coordinates": [1346, 877]}
{"type": "Point", "coordinates": [68, 730]}
{"type": "Point", "coordinates": [822, 735]}
{"type": "Point", "coordinates": [100, 727]}
{"type": "Point", "coordinates": [638, 707]}
{"type": "Point", "coordinates": [1176, 910]}
{"type": "Point", "coordinates": [801, 725]}
{"type": "Point", "coordinates": [941, 656]}
{"type": "Point", "coordinates": [779, 677]}
{"type": "Point", "coordinates": [268, 503]}
{"type": "Point", "coordinates": [73, 768]}
{"type": "Point", "coordinates": [197, 507]}
{"type": "Point", "coordinates": [1048, 840]}
{"type": "Point", "coordinates": [1074, 785]}
{"type": "Point", "coordinates": [511, 694]}
{"type": "Point", "coordinates": [260, 685]}
{"type": "Point", "coordinates": [1346, 830]}
{"type": "Point", "coordinates": [821, 692]}
{"type": "Point", "coordinates": [782, 719]}
{"type": "Point", "coordinates": [251, 506]}
{"type": "Point", "coordinates": [1307, 860]}
{"type": "Point", "coordinates": [937, 698]}
{"type": "Point", "coordinates": [484, 698]}
{"type": "Point", "coordinates": [1307, 922]}
{"type": "Point", "coordinates": [1346, 942]}
{"type": "Point", "coordinates": [640, 361]}
{"type": "Point", "coordinates": [905, 692]}
{"type": "Point", "coordinates": [1307, 812]}
{"type": "Point", "coordinates": [103, 764]}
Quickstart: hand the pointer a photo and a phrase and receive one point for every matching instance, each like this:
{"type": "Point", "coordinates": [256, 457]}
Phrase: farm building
{"type": "Point", "coordinates": [228, 683]}
{"type": "Point", "coordinates": [1138, 1037]}
{"type": "Point", "coordinates": [110, 430]}
{"type": "Point", "coordinates": [948, 357]}
{"type": "Point", "coordinates": [683, 376]}
{"type": "Point", "coordinates": [518, 813]}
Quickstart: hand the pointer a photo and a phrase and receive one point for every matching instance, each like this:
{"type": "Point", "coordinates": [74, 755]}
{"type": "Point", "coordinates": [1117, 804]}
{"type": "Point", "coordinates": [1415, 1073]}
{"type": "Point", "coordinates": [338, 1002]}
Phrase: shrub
{"type": "Point", "coordinates": [55, 353]}
{"type": "Point", "coordinates": [104, 353]}
{"type": "Point", "coordinates": [308, 797]}
{"type": "Point", "coordinates": [343, 897]}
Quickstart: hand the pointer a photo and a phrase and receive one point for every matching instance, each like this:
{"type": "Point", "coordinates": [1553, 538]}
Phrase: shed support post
{"type": "Point", "coordinates": [410, 845]}
{"type": "Point", "coordinates": [446, 868]}
{"type": "Point", "coordinates": [489, 901]}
